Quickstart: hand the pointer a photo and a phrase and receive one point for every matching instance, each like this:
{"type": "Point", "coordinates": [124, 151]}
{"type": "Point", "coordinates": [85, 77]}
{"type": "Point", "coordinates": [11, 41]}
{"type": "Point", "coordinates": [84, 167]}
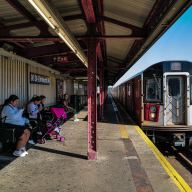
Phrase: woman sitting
{"type": "Point", "coordinates": [67, 108]}
{"type": "Point", "coordinates": [45, 113]}
{"type": "Point", "coordinates": [33, 110]}
{"type": "Point", "coordinates": [13, 119]}
{"type": "Point", "coordinates": [42, 102]}
{"type": "Point", "coordinates": [34, 116]}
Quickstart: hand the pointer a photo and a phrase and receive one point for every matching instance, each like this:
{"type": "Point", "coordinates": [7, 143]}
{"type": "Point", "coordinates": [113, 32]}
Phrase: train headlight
{"type": "Point", "coordinates": [153, 112]}
{"type": "Point", "coordinates": [152, 115]}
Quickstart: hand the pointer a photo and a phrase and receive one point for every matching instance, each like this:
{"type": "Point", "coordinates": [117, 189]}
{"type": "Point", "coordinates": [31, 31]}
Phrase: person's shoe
{"type": "Point", "coordinates": [39, 133]}
{"type": "Point", "coordinates": [24, 150]}
{"type": "Point", "coordinates": [19, 153]}
{"type": "Point", "coordinates": [31, 142]}
{"type": "Point", "coordinates": [76, 120]}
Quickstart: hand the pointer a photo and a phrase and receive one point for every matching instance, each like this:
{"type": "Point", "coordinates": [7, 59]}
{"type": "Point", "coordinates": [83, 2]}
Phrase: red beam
{"type": "Point", "coordinates": [57, 39]}
{"type": "Point", "coordinates": [101, 79]}
{"type": "Point", "coordinates": [45, 50]}
{"type": "Point", "coordinates": [88, 10]}
{"type": "Point", "coordinates": [70, 69]}
{"type": "Point", "coordinates": [23, 11]}
{"type": "Point", "coordinates": [92, 100]}
{"type": "Point", "coordinates": [135, 30]}
{"type": "Point", "coordinates": [48, 49]}
{"type": "Point", "coordinates": [157, 5]}
{"type": "Point", "coordinates": [35, 23]}
{"type": "Point", "coordinates": [99, 54]}
{"type": "Point", "coordinates": [102, 26]}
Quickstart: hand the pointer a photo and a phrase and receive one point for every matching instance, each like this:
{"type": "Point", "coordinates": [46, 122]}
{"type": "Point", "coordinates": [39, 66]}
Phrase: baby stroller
{"type": "Point", "coordinates": [52, 126]}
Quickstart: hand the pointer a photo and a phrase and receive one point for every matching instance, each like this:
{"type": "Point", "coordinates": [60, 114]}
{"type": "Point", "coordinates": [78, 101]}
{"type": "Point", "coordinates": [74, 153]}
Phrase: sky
{"type": "Point", "coordinates": [175, 44]}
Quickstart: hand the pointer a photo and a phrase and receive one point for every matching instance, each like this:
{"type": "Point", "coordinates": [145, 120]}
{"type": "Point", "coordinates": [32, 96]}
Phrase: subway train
{"type": "Point", "coordinates": [160, 101]}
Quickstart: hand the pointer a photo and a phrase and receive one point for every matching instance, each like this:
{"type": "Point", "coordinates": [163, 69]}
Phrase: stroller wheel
{"type": "Point", "coordinates": [62, 139]}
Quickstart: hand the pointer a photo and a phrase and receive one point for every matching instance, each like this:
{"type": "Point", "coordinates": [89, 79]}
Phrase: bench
{"type": "Point", "coordinates": [7, 135]}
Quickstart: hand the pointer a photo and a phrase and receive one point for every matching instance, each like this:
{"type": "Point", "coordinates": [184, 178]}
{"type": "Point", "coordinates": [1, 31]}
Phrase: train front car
{"type": "Point", "coordinates": [167, 102]}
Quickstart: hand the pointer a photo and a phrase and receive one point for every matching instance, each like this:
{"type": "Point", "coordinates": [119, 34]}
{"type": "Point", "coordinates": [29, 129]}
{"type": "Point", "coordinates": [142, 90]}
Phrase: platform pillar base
{"type": "Point", "coordinates": [92, 155]}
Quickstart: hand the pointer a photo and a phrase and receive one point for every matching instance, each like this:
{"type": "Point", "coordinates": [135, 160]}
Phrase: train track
{"type": "Point", "coordinates": [180, 159]}
{"type": "Point", "coordinates": [183, 156]}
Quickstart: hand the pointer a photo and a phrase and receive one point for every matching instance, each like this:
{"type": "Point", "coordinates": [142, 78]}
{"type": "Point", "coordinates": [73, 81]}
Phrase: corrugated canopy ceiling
{"type": "Point", "coordinates": [125, 29]}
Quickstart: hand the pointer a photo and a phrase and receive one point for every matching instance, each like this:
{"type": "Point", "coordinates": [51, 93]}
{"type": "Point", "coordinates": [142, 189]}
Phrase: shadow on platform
{"type": "Point", "coordinates": [69, 154]}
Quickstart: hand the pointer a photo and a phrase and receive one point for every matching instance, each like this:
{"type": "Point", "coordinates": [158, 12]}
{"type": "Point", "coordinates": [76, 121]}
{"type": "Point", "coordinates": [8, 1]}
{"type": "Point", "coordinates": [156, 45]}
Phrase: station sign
{"type": "Point", "coordinates": [39, 79]}
{"type": "Point", "coordinates": [175, 66]}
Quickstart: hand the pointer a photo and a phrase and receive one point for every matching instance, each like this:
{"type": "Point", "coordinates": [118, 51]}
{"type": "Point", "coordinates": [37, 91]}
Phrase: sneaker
{"type": "Point", "coordinates": [26, 153]}
{"type": "Point", "coordinates": [31, 142]}
{"type": "Point", "coordinates": [76, 120]}
{"type": "Point", "coordinates": [39, 133]}
{"type": "Point", "coordinates": [19, 153]}
{"type": "Point", "coordinates": [24, 150]}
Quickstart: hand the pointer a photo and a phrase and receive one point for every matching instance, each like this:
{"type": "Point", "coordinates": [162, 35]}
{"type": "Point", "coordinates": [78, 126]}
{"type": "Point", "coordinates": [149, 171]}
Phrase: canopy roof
{"type": "Point", "coordinates": [125, 30]}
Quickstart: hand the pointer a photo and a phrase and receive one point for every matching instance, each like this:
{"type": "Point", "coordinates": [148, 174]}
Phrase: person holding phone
{"type": "Point", "coordinates": [14, 119]}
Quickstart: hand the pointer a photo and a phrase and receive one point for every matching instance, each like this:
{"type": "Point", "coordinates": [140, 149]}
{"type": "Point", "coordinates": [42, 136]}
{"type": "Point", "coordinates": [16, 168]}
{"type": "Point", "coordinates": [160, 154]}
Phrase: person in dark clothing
{"type": "Point", "coordinates": [65, 104]}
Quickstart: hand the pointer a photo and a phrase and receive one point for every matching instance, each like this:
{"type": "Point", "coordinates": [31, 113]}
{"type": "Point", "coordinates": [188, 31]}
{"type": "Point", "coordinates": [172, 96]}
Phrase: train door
{"type": "Point", "coordinates": [175, 98]}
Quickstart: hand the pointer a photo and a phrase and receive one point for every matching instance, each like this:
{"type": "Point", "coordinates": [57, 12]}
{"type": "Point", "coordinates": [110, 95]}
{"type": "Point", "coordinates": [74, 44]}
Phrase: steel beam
{"type": "Point", "coordinates": [45, 50]}
{"type": "Point", "coordinates": [70, 69]}
{"type": "Point", "coordinates": [35, 23]}
{"type": "Point", "coordinates": [135, 30]}
{"type": "Point", "coordinates": [32, 39]}
{"type": "Point", "coordinates": [35, 52]}
{"type": "Point", "coordinates": [87, 6]}
{"type": "Point", "coordinates": [23, 11]}
{"type": "Point", "coordinates": [92, 99]}
{"type": "Point", "coordinates": [101, 96]}
{"type": "Point", "coordinates": [158, 11]}
{"type": "Point", "coordinates": [89, 12]}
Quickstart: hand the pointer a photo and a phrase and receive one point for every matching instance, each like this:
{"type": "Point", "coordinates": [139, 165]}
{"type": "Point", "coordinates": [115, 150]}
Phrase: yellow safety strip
{"type": "Point", "coordinates": [174, 175]}
{"type": "Point", "coordinates": [123, 132]}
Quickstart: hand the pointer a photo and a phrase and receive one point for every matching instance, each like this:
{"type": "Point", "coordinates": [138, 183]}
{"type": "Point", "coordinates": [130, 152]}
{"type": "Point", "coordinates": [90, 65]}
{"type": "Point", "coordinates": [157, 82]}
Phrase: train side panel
{"type": "Point", "coordinates": [137, 98]}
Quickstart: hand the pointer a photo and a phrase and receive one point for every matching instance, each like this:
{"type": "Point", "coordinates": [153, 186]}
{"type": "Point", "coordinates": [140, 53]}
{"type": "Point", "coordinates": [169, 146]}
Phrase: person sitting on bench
{"type": "Point", "coordinates": [45, 113]}
{"type": "Point", "coordinates": [67, 108]}
{"type": "Point", "coordinates": [32, 108]}
{"type": "Point", "coordinates": [13, 119]}
{"type": "Point", "coordinates": [42, 104]}
{"type": "Point", "coordinates": [34, 116]}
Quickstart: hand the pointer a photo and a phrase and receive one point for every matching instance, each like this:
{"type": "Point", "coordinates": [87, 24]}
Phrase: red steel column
{"type": "Point", "coordinates": [92, 99]}
{"type": "Point", "coordinates": [101, 78]}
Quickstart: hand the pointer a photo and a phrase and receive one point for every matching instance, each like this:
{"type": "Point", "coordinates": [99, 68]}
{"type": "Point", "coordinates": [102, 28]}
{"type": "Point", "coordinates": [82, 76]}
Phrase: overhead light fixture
{"type": "Point", "coordinates": [55, 21]}
{"type": "Point", "coordinates": [41, 13]}
{"type": "Point", "coordinates": [66, 42]}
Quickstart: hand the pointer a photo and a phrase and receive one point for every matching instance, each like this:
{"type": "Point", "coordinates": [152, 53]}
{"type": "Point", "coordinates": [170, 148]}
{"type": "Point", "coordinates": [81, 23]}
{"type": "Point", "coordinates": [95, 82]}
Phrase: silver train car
{"type": "Point", "coordinates": [160, 100]}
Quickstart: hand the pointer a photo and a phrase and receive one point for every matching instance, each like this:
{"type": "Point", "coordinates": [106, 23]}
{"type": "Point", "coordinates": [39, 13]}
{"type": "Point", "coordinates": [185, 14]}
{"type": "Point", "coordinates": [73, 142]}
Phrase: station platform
{"type": "Point", "coordinates": [125, 162]}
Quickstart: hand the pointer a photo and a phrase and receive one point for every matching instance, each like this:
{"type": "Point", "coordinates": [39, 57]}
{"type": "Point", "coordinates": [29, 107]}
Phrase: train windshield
{"type": "Point", "coordinates": [153, 89]}
{"type": "Point", "coordinates": [174, 87]}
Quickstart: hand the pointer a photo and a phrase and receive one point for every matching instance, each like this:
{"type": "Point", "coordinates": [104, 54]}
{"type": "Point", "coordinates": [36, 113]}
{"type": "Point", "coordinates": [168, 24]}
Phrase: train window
{"type": "Point", "coordinates": [174, 87]}
{"type": "Point", "coordinates": [153, 89]}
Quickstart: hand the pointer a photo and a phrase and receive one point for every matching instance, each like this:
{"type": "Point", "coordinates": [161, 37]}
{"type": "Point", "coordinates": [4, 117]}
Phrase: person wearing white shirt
{"type": "Point", "coordinates": [14, 119]}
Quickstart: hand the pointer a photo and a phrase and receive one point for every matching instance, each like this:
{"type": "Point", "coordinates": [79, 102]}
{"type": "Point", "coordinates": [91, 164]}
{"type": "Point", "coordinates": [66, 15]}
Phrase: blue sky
{"type": "Point", "coordinates": [175, 44]}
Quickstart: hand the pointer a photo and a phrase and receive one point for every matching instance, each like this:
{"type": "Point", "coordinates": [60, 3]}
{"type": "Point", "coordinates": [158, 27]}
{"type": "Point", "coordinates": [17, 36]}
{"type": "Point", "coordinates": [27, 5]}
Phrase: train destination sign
{"type": "Point", "coordinates": [39, 79]}
{"type": "Point", "coordinates": [175, 66]}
